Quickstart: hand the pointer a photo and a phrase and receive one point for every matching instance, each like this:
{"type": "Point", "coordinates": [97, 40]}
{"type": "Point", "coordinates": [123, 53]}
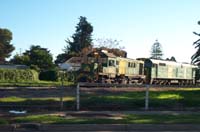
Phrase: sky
{"type": "Point", "coordinates": [135, 23]}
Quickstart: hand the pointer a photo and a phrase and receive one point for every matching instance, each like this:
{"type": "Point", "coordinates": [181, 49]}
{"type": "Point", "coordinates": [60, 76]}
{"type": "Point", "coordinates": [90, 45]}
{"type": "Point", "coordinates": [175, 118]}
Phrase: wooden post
{"type": "Point", "coordinates": [147, 97]}
{"type": "Point", "coordinates": [78, 97]}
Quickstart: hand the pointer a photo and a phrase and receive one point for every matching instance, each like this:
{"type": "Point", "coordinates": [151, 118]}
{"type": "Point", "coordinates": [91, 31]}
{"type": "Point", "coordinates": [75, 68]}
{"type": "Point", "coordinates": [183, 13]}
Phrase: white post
{"type": "Point", "coordinates": [77, 97]}
{"type": "Point", "coordinates": [61, 95]}
{"type": "Point", "coordinates": [147, 98]}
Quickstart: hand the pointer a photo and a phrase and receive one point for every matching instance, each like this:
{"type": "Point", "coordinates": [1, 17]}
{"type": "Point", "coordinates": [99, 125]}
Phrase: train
{"type": "Point", "coordinates": [105, 67]}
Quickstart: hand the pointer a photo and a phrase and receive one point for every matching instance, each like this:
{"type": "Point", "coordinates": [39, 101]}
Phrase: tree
{"type": "Point", "coordinates": [20, 59]}
{"type": "Point", "coordinates": [196, 57]}
{"type": "Point", "coordinates": [35, 57]}
{"type": "Point", "coordinates": [156, 51]}
{"type": "Point", "coordinates": [171, 59]}
{"type": "Point", "coordinates": [111, 45]}
{"type": "Point", "coordinates": [5, 44]}
{"type": "Point", "coordinates": [81, 40]}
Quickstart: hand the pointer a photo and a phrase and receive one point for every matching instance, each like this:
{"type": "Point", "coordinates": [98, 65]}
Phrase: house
{"type": "Point", "coordinates": [73, 64]}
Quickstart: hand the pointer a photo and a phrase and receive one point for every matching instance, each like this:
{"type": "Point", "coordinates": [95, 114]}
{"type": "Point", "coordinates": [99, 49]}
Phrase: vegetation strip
{"type": "Point", "coordinates": [122, 119]}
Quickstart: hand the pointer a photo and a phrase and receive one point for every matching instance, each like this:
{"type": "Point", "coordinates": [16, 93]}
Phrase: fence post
{"type": "Point", "coordinates": [77, 97]}
{"type": "Point", "coordinates": [147, 97]}
{"type": "Point", "coordinates": [61, 94]}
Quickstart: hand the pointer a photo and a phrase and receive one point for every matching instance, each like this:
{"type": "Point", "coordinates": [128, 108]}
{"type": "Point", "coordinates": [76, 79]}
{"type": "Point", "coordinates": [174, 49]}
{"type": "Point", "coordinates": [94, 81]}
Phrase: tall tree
{"type": "Point", "coordinates": [156, 51]}
{"type": "Point", "coordinates": [37, 56]}
{"type": "Point", "coordinates": [196, 57]}
{"type": "Point", "coordinates": [5, 44]}
{"type": "Point", "coordinates": [80, 40]}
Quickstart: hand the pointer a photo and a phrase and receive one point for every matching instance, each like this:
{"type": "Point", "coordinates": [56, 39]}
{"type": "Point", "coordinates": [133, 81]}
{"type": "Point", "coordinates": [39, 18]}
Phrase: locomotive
{"type": "Point", "coordinates": [108, 68]}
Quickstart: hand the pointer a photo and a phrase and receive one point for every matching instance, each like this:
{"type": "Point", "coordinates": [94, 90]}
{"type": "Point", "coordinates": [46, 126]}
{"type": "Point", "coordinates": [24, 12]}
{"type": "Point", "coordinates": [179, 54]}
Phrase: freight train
{"type": "Point", "coordinates": [108, 68]}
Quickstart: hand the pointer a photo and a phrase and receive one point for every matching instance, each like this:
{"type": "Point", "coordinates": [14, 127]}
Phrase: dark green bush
{"type": "Point", "coordinates": [18, 75]}
{"type": "Point", "coordinates": [50, 75]}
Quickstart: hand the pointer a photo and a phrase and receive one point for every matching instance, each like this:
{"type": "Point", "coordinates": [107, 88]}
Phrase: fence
{"type": "Point", "coordinates": [101, 98]}
{"type": "Point", "coordinates": [38, 98]}
{"type": "Point", "coordinates": [143, 97]}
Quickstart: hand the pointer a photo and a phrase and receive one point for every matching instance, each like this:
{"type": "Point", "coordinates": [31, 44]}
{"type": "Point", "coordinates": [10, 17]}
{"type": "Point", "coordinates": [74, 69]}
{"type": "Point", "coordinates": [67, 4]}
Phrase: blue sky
{"type": "Point", "coordinates": [138, 23]}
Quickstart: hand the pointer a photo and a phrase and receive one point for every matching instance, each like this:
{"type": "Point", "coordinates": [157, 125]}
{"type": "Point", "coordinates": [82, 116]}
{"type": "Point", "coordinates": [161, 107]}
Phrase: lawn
{"type": "Point", "coordinates": [125, 119]}
{"type": "Point", "coordinates": [169, 99]}
{"type": "Point", "coordinates": [34, 84]}
{"type": "Point", "coordinates": [177, 99]}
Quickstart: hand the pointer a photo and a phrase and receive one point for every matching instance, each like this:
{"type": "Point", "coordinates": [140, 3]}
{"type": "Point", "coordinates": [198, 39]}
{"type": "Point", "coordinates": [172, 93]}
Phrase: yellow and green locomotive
{"type": "Point", "coordinates": [104, 67]}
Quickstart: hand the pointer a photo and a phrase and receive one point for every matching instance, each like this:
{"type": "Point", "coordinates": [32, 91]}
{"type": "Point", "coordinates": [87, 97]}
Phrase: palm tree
{"type": "Point", "coordinates": [196, 57]}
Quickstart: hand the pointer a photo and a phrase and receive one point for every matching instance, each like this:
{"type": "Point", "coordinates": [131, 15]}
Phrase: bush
{"type": "Point", "coordinates": [50, 75]}
{"type": "Point", "coordinates": [18, 75]}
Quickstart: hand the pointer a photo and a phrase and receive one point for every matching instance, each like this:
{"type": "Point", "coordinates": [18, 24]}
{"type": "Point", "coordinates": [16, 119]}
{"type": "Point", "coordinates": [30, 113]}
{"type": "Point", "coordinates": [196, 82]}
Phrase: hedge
{"type": "Point", "coordinates": [50, 75]}
{"type": "Point", "coordinates": [18, 75]}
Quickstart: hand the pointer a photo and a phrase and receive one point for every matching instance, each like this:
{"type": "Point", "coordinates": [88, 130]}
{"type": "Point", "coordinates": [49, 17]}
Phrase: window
{"type": "Point", "coordinates": [162, 64]}
{"type": "Point", "coordinates": [117, 62]}
{"type": "Point", "coordinates": [111, 63]}
{"type": "Point", "coordinates": [133, 65]}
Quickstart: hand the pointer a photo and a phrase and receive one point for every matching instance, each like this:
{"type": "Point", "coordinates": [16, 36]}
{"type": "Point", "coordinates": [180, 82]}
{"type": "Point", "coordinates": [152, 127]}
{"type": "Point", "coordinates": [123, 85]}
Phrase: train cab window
{"type": "Point", "coordinates": [162, 64]}
{"type": "Point", "coordinates": [111, 63]}
{"type": "Point", "coordinates": [117, 63]}
{"type": "Point", "coordinates": [133, 65]}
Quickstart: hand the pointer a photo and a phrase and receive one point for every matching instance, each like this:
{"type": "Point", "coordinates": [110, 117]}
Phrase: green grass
{"type": "Point", "coordinates": [182, 98]}
{"type": "Point", "coordinates": [20, 99]}
{"type": "Point", "coordinates": [35, 84]}
{"type": "Point", "coordinates": [3, 121]}
{"type": "Point", "coordinates": [164, 100]}
{"type": "Point", "coordinates": [125, 119]}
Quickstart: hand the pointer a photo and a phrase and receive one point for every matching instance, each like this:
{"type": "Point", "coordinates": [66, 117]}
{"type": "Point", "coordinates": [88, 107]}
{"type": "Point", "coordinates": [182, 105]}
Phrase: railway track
{"type": "Point", "coordinates": [106, 85]}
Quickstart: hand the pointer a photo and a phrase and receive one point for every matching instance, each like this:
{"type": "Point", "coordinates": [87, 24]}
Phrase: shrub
{"type": "Point", "coordinates": [18, 75]}
{"type": "Point", "coordinates": [50, 75]}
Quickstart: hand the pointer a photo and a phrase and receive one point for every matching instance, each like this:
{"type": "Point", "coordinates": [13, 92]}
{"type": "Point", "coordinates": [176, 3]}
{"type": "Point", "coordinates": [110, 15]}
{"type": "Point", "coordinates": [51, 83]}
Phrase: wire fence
{"type": "Point", "coordinates": [100, 98]}
{"type": "Point", "coordinates": [143, 97]}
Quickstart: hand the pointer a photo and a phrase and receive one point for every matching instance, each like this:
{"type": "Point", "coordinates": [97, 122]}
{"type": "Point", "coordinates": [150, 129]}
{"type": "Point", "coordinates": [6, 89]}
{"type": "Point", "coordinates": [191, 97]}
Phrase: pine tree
{"type": "Point", "coordinates": [156, 51]}
{"type": "Point", "coordinates": [82, 38]}
{"type": "Point", "coordinates": [5, 44]}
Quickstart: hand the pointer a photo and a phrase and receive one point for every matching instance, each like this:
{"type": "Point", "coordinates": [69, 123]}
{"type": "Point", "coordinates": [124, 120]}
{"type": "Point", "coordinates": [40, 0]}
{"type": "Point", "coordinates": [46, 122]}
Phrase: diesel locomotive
{"type": "Point", "coordinates": [108, 68]}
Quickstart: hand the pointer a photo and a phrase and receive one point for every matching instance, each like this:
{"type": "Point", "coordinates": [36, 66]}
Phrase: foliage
{"type": "Point", "coordinates": [156, 51]}
{"type": "Point", "coordinates": [111, 46]}
{"type": "Point", "coordinates": [86, 73]}
{"type": "Point", "coordinates": [196, 57]}
{"type": "Point", "coordinates": [81, 39]}
{"type": "Point", "coordinates": [171, 59]}
{"type": "Point", "coordinates": [5, 44]}
{"type": "Point", "coordinates": [61, 58]}
{"type": "Point", "coordinates": [18, 75]}
{"type": "Point", "coordinates": [50, 75]}
{"type": "Point", "coordinates": [3, 121]}
{"type": "Point", "coordinates": [20, 59]}
{"type": "Point", "coordinates": [38, 56]}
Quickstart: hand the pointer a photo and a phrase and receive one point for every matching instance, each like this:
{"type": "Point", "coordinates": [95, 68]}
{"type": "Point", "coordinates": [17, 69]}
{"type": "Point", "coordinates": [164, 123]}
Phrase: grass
{"type": "Point", "coordinates": [126, 119]}
{"type": "Point", "coordinates": [181, 98]}
{"type": "Point", "coordinates": [3, 121]}
{"type": "Point", "coordinates": [20, 99]}
{"type": "Point", "coordinates": [162, 100]}
{"type": "Point", "coordinates": [34, 84]}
